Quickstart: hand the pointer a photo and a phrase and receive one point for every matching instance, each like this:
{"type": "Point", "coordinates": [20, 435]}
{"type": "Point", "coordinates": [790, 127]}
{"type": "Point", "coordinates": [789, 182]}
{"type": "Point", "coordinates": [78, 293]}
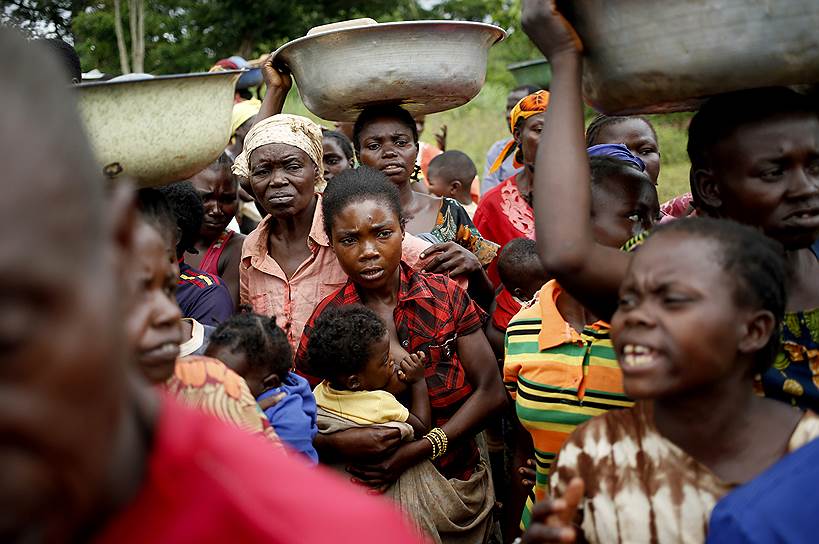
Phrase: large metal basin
{"type": "Point", "coordinates": [426, 66]}
{"type": "Point", "coordinates": [158, 130]}
{"type": "Point", "coordinates": [532, 72]}
{"type": "Point", "coordinates": [652, 56]}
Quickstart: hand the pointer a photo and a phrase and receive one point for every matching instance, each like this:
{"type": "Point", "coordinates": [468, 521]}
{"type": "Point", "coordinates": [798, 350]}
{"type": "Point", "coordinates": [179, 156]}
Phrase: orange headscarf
{"type": "Point", "coordinates": [527, 106]}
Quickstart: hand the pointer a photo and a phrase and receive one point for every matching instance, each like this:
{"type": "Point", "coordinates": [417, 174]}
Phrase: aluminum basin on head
{"type": "Point", "coordinates": [426, 66]}
{"type": "Point", "coordinates": [649, 56]}
{"type": "Point", "coordinates": [159, 130]}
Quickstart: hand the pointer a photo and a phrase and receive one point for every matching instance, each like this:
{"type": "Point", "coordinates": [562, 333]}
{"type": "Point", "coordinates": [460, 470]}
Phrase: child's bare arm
{"type": "Point", "coordinates": [412, 372]}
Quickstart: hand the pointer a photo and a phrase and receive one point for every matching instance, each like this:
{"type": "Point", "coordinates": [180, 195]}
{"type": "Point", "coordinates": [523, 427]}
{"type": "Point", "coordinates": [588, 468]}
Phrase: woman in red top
{"type": "Point", "coordinates": [505, 212]}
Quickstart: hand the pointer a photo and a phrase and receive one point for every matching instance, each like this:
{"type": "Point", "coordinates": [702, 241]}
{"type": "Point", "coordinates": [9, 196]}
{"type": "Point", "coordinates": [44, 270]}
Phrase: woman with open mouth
{"type": "Point", "coordinates": [698, 317]}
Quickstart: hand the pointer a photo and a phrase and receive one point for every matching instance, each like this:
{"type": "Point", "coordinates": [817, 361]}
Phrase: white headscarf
{"type": "Point", "coordinates": [283, 128]}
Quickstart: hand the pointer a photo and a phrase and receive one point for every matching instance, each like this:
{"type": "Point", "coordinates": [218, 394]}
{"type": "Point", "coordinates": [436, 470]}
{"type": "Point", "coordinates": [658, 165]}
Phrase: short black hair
{"type": "Point", "coordinates": [602, 167]}
{"type": "Point", "coordinates": [606, 169]}
{"type": "Point", "coordinates": [342, 339]}
{"type": "Point", "coordinates": [156, 211]}
{"type": "Point", "coordinates": [720, 115]}
{"type": "Point", "coordinates": [67, 56]}
{"type": "Point", "coordinates": [390, 111]}
{"type": "Point", "coordinates": [262, 341]}
{"type": "Point", "coordinates": [343, 142]}
{"type": "Point", "coordinates": [602, 121]}
{"type": "Point", "coordinates": [357, 185]}
{"type": "Point", "coordinates": [756, 261]}
{"type": "Point", "coordinates": [452, 165]}
{"type": "Point", "coordinates": [189, 211]}
{"type": "Point", "coordinates": [519, 256]}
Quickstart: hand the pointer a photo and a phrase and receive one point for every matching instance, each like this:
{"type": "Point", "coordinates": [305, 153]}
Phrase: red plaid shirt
{"type": "Point", "coordinates": [430, 314]}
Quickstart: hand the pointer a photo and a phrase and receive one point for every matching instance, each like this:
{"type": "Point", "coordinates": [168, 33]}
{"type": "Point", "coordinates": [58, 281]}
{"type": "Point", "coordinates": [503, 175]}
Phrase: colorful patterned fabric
{"type": "Point", "coordinates": [454, 225]}
{"type": "Point", "coordinates": [641, 487]}
{"type": "Point", "coordinates": [210, 261]}
{"type": "Point", "coordinates": [502, 216]}
{"type": "Point", "coordinates": [528, 106]}
{"type": "Point", "coordinates": [431, 312]}
{"type": "Point", "coordinates": [208, 385]}
{"type": "Point", "coordinates": [794, 376]}
{"type": "Point", "coordinates": [679, 206]}
{"type": "Point", "coordinates": [558, 378]}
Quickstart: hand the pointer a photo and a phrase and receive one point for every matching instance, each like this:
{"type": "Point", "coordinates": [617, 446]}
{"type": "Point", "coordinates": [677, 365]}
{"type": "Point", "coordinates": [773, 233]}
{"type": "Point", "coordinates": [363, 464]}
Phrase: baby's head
{"type": "Point", "coordinates": [520, 269]}
{"type": "Point", "coordinates": [350, 348]}
{"type": "Point", "coordinates": [450, 174]}
{"type": "Point", "coordinates": [254, 347]}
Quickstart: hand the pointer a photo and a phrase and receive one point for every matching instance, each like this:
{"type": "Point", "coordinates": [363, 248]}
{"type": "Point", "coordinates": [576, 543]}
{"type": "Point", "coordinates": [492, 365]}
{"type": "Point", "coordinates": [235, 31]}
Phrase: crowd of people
{"type": "Point", "coordinates": [334, 333]}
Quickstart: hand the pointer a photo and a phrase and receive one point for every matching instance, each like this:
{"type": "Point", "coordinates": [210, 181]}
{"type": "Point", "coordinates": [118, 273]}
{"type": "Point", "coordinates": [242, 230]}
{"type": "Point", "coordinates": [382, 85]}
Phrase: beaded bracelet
{"type": "Point", "coordinates": [437, 437]}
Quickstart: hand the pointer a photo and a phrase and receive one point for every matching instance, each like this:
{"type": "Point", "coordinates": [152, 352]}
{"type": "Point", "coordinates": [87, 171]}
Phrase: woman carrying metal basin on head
{"type": "Point", "coordinates": [287, 264]}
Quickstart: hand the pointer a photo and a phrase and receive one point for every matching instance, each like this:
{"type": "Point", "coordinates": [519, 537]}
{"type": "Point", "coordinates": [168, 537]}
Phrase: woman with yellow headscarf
{"type": "Point", "coordinates": [288, 265]}
{"type": "Point", "coordinates": [505, 212]}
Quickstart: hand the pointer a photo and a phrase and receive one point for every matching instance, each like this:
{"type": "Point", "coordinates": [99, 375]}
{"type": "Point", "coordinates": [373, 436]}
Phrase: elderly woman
{"type": "Point", "coordinates": [288, 265]}
{"type": "Point", "coordinates": [458, 249]}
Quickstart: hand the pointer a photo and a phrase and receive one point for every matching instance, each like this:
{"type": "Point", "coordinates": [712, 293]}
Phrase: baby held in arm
{"type": "Point", "coordinates": [351, 352]}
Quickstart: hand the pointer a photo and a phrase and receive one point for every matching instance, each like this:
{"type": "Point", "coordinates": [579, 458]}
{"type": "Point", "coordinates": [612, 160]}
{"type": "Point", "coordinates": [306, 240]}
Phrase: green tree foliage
{"type": "Point", "coordinates": [190, 35]}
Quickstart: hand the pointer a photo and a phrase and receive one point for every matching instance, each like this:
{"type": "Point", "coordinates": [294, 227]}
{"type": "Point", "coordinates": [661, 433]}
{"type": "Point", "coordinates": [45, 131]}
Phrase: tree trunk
{"type": "Point", "coordinates": [121, 47]}
{"type": "Point", "coordinates": [139, 38]}
{"type": "Point", "coordinates": [136, 12]}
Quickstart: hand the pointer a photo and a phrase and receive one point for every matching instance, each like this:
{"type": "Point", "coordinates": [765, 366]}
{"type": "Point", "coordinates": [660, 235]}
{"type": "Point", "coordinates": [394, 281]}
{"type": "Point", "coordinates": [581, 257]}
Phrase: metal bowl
{"type": "Point", "coordinates": [645, 56]}
{"type": "Point", "coordinates": [426, 66]}
{"type": "Point", "coordinates": [158, 130]}
{"type": "Point", "coordinates": [532, 72]}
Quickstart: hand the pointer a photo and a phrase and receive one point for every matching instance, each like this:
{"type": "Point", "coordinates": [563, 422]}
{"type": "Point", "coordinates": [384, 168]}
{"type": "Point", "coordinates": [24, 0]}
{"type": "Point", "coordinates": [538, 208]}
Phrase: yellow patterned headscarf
{"type": "Point", "coordinates": [242, 111]}
{"type": "Point", "coordinates": [283, 128]}
{"type": "Point", "coordinates": [528, 106]}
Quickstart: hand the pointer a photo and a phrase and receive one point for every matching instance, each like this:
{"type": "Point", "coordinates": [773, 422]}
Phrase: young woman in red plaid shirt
{"type": "Point", "coordinates": [424, 312]}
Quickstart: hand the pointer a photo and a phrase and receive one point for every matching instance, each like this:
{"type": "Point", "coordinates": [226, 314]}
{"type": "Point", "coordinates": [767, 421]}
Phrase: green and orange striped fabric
{"type": "Point", "coordinates": [559, 378]}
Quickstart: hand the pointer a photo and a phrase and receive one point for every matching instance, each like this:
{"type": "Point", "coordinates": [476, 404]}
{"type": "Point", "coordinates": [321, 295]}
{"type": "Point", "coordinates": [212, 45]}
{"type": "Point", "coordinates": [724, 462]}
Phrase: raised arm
{"type": "Point", "coordinates": [278, 82]}
{"type": "Point", "coordinates": [562, 195]}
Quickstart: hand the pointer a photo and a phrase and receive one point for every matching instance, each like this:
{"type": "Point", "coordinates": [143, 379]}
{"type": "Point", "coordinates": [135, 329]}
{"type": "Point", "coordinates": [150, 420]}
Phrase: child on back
{"type": "Point", "coordinates": [254, 347]}
{"type": "Point", "coordinates": [450, 175]}
{"type": "Point", "coordinates": [522, 275]}
{"type": "Point", "coordinates": [350, 351]}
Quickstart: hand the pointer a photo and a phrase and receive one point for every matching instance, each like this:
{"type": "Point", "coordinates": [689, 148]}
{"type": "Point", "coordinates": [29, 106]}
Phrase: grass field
{"type": "Point", "coordinates": [473, 128]}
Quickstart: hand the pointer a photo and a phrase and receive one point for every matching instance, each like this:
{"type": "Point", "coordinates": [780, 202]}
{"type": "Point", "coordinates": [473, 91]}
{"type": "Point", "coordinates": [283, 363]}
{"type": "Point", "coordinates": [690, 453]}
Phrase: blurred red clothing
{"type": "Point", "coordinates": [207, 482]}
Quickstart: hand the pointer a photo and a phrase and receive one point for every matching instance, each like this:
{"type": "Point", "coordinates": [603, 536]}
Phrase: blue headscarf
{"type": "Point", "coordinates": [617, 151]}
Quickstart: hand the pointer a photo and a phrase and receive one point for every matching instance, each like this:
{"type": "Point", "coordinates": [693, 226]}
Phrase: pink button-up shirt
{"type": "Point", "coordinates": [264, 285]}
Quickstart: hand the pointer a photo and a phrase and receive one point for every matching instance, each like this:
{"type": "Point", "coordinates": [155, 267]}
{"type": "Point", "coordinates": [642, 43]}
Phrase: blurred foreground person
{"type": "Point", "coordinates": [88, 452]}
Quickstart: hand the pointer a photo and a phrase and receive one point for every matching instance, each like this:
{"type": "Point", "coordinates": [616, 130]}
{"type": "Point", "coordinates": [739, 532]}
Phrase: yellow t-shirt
{"type": "Point", "coordinates": [362, 407]}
